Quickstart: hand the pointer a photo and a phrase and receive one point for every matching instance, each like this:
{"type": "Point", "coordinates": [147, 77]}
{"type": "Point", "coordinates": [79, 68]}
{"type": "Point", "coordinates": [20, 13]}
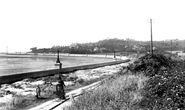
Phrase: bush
{"type": "Point", "coordinates": [162, 89]}
{"type": "Point", "coordinates": [71, 78]}
{"type": "Point", "coordinates": [151, 64]}
{"type": "Point", "coordinates": [80, 81]}
{"type": "Point", "coordinates": [165, 91]}
{"type": "Point", "coordinates": [165, 88]}
{"type": "Point", "coordinates": [120, 93]}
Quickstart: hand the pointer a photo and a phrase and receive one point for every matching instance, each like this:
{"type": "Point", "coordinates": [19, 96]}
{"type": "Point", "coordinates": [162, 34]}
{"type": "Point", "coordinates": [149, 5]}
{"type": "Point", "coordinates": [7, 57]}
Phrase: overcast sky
{"type": "Point", "coordinates": [45, 23]}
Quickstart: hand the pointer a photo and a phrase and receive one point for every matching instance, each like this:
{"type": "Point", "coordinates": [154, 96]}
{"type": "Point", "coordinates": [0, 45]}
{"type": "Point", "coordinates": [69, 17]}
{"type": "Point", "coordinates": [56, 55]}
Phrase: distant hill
{"type": "Point", "coordinates": [114, 45]}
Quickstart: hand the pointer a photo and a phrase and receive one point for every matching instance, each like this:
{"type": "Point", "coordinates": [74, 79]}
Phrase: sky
{"type": "Point", "coordinates": [44, 23]}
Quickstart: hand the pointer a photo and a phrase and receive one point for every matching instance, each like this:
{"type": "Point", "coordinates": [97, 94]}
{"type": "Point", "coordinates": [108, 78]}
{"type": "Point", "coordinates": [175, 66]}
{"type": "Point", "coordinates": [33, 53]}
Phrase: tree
{"type": "Point", "coordinates": [33, 50]}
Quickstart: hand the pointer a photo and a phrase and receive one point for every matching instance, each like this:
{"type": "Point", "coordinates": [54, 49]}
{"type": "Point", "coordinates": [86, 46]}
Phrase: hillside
{"type": "Point", "coordinates": [113, 45]}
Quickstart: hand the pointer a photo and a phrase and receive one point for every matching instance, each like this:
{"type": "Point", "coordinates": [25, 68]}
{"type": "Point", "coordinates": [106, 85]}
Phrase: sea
{"type": "Point", "coordinates": [14, 64]}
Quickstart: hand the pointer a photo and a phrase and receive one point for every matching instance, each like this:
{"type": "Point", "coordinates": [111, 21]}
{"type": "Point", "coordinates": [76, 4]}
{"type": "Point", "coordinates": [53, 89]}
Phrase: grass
{"type": "Point", "coordinates": [165, 88]}
{"type": "Point", "coordinates": [21, 102]}
{"type": "Point", "coordinates": [117, 93]}
{"type": "Point", "coordinates": [24, 102]}
{"type": "Point", "coordinates": [154, 83]}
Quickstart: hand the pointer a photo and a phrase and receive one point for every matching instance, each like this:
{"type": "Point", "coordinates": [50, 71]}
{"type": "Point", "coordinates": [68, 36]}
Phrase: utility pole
{"type": "Point", "coordinates": [171, 46]}
{"type": "Point", "coordinates": [151, 42]}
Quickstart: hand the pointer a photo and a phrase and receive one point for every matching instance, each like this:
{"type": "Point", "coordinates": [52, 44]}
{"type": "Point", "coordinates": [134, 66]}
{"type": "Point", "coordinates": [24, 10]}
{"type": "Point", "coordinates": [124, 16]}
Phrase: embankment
{"type": "Point", "coordinates": [20, 76]}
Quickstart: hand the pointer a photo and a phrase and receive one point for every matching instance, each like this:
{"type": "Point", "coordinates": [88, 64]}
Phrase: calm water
{"type": "Point", "coordinates": [12, 65]}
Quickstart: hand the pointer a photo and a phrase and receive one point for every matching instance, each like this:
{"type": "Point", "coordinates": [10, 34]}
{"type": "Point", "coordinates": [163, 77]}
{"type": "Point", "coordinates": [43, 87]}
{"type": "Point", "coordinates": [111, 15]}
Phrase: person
{"type": "Point", "coordinates": [60, 89]}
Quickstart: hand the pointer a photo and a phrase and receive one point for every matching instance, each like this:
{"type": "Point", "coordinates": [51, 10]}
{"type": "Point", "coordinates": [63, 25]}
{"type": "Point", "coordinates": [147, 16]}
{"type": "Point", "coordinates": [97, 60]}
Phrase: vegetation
{"type": "Point", "coordinates": [153, 83]}
{"type": "Point", "coordinates": [113, 45]}
{"type": "Point", "coordinates": [117, 93]}
{"type": "Point", "coordinates": [150, 65]}
{"type": "Point", "coordinates": [165, 88]}
{"type": "Point", "coordinates": [24, 102]}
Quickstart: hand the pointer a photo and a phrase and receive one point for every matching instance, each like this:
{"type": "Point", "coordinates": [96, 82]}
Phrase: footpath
{"type": "Point", "coordinates": [58, 104]}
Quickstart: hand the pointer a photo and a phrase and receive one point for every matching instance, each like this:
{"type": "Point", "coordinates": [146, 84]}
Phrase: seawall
{"type": "Point", "coordinates": [16, 77]}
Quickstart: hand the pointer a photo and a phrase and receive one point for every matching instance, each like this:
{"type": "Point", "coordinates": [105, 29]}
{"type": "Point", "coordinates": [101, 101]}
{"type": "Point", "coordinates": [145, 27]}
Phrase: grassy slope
{"type": "Point", "coordinates": [156, 82]}
{"type": "Point", "coordinates": [117, 93]}
{"type": "Point", "coordinates": [29, 101]}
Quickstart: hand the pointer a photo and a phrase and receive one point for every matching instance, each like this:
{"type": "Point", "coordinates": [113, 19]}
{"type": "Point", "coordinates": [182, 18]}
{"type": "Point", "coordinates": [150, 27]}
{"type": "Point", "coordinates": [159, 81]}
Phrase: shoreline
{"type": "Point", "coordinates": [16, 77]}
{"type": "Point", "coordinates": [76, 77]}
{"type": "Point", "coordinates": [23, 64]}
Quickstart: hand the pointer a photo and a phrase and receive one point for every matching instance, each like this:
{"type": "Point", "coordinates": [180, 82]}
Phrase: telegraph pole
{"type": "Point", "coordinates": [151, 42]}
{"type": "Point", "coordinates": [171, 46]}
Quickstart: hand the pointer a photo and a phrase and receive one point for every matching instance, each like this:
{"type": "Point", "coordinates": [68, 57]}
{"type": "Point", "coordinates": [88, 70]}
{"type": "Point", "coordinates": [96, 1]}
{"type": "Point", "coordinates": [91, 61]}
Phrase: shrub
{"type": "Point", "coordinates": [119, 93]}
{"type": "Point", "coordinates": [71, 78]}
{"type": "Point", "coordinates": [151, 64]}
{"type": "Point", "coordinates": [166, 91]}
{"type": "Point", "coordinates": [162, 89]}
{"type": "Point", "coordinates": [165, 88]}
{"type": "Point", "coordinates": [80, 81]}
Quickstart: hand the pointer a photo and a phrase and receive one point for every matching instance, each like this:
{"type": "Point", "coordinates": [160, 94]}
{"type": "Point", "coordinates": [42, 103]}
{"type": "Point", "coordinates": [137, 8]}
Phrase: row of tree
{"type": "Point", "coordinates": [113, 45]}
